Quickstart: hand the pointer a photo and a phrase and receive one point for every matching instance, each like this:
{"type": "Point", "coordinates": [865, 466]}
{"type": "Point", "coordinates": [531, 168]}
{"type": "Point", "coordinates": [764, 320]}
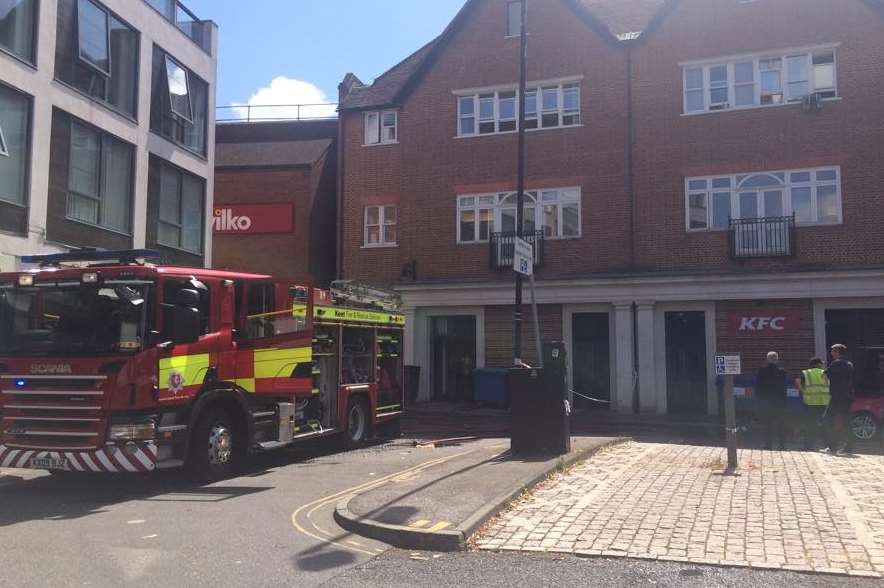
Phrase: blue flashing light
{"type": "Point", "coordinates": [125, 256]}
{"type": "Point", "coordinates": [20, 383]}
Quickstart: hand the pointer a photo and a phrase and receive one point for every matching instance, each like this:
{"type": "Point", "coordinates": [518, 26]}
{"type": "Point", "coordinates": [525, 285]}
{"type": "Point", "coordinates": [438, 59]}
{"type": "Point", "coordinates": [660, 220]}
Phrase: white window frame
{"type": "Point", "coordinates": [382, 226]}
{"type": "Point", "coordinates": [378, 138]}
{"type": "Point", "coordinates": [4, 147]}
{"type": "Point", "coordinates": [787, 184]}
{"type": "Point", "coordinates": [828, 93]}
{"type": "Point", "coordinates": [107, 41]}
{"type": "Point", "coordinates": [534, 123]}
{"type": "Point", "coordinates": [496, 203]}
{"type": "Point", "coordinates": [188, 116]}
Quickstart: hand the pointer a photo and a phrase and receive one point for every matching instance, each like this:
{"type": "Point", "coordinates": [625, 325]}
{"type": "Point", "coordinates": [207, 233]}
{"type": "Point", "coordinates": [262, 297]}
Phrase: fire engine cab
{"type": "Point", "coordinates": [109, 363]}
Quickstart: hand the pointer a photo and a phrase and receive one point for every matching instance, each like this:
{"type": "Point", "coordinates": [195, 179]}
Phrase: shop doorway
{"type": "Point", "coordinates": [591, 361]}
{"type": "Point", "coordinates": [686, 377]}
{"type": "Point", "coordinates": [862, 330]}
{"type": "Point", "coordinates": [453, 349]}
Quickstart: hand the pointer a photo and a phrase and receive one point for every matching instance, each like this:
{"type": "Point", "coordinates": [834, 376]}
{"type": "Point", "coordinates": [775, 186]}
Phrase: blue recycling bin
{"type": "Point", "coordinates": [489, 386]}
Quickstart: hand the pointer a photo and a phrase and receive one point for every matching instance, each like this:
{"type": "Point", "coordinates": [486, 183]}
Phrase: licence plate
{"type": "Point", "coordinates": [49, 463]}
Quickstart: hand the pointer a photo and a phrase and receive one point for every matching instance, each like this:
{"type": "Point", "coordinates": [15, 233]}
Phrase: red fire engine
{"type": "Point", "coordinates": [109, 363]}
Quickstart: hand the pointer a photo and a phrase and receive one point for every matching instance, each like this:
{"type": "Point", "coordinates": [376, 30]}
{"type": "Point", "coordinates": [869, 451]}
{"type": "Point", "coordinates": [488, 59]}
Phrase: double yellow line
{"type": "Point", "coordinates": [333, 499]}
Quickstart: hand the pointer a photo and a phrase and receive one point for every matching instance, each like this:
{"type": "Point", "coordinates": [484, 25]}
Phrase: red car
{"type": "Point", "coordinates": [866, 417]}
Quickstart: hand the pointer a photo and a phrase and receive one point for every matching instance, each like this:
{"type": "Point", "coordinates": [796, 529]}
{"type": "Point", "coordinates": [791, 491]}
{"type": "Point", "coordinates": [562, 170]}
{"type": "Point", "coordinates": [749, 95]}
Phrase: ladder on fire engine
{"type": "Point", "coordinates": [357, 293]}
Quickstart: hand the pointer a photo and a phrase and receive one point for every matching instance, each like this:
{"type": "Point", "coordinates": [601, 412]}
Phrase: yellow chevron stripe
{"type": "Point", "coordinates": [279, 363]}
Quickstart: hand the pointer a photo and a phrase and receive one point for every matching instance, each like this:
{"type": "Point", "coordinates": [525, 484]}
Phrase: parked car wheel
{"type": "Point", "coordinates": [864, 425]}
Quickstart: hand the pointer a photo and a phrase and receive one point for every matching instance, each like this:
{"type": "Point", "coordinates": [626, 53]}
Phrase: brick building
{"type": "Point", "coordinates": [693, 187]}
{"type": "Point", "coordinates": [275, 198]}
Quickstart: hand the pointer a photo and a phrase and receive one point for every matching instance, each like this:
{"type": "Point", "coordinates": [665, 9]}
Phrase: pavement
{"type": "Point", "coordinates": [782, 510]}
{"type": "Point", "coordinates": [440, 507]}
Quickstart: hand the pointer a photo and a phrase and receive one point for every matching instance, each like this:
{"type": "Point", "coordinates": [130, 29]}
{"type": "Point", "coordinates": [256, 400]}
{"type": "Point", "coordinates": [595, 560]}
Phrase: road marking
{"type": "Point", "coordinates": [439, 526]}
{"type": "Point", "coordinates": [419, 524]}
{"type": "Point", "coordinates": [356, 543]}
{"type": "Point", "coordinates": [136, 522]}
{"type": "Point", "coordinates": [154, 536]}
{"type": "Point", "coordinates": [317, 504]}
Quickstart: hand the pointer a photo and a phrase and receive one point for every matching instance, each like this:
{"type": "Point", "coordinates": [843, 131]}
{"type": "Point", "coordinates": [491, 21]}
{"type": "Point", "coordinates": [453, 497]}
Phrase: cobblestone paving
{"type": "Point", "coordinates": [783, 510]}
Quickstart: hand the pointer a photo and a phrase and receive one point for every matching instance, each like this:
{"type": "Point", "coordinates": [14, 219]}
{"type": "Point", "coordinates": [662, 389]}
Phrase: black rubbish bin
{"type": "Point", "coordinates": [412, 382]}
{"type": "Point", "coordinates": [540, 423]}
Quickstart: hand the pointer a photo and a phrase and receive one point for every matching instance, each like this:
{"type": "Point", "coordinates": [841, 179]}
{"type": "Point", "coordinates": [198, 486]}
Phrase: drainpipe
{"type": "Point", "coordinates": [636, 406]}
{"type": "Point", "coordinates": [630, 179]}
{"type": "Point", "coordinates": [630, 146]}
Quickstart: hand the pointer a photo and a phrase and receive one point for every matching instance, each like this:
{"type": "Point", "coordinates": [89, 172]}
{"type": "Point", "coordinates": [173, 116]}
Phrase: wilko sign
{"type": "Point", "coordinates": [763, 323]}
{"type": "Point", "coordinates": [252, 219]}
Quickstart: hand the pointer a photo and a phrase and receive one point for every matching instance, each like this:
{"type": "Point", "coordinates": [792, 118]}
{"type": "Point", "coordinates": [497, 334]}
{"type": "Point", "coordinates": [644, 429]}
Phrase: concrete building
{"type": "Point", "coordinates": [703, 176]}
{"type": "Point", "coordinates": [107, 111]}
{"type": "Point", "coordinates": [275, 199]}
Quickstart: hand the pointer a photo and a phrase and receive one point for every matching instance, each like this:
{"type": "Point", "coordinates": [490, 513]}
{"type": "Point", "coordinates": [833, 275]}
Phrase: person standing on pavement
{"type": "Point", "coordinates": [841, 389]}
{"type": "Point", "coordinates": [771, 385]}
{"type": "Point", "coordinates": [814, 387]}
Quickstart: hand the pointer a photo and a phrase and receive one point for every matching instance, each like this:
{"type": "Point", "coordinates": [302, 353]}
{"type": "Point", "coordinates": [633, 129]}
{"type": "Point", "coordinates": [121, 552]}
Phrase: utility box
{"type": "Point", "coordinates": [540, 423]}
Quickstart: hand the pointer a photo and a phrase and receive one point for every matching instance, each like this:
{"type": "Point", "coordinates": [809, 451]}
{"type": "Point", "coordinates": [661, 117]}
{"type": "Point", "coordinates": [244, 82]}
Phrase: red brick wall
{"type": "Point", "coordinates": [849, 133]}
{"type": "Point", "coordinates": [795, 345]}
{"type": "Point", "coordinates": [499, 333]}
{"type": "Point", "coordinates": [425, 172]}
{"type": "Point", "coordinates": [283, 255]}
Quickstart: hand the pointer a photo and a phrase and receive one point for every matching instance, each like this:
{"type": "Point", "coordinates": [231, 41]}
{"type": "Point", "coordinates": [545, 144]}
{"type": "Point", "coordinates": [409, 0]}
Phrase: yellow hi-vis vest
{"type": "Point", "coordinates": [816, 387]}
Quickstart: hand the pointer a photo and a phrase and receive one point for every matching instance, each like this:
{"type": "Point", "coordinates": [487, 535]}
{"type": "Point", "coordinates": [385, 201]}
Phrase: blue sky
{"type": "Point", "coordinates": [314, 42]}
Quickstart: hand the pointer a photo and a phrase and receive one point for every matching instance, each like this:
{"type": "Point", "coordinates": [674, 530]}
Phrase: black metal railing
{"type": "Point", "coordinates": [503, 249]}
{"type": "Point", "coordinates": [762, 237]}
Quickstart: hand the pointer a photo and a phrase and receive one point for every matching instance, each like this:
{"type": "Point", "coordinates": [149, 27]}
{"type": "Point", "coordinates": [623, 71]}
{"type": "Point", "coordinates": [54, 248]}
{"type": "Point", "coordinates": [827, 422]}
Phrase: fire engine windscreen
{"type": "Point", "coordinates": [82, 319]}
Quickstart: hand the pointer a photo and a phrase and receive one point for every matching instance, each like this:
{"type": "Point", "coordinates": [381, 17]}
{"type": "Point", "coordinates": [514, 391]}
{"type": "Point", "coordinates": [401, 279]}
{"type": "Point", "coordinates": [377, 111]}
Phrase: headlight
{"type": "Point", "coordinates": [26, 280]}
{"type": "Point", "coordinates": [133, 432]}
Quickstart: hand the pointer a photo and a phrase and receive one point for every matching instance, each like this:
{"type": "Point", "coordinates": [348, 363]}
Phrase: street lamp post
{"type": "Point", "coordinates": [520, 182]}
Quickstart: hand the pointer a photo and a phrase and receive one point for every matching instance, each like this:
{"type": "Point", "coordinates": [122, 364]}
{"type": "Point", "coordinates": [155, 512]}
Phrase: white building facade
{"type": "Point", "coordinates": [106, 128]}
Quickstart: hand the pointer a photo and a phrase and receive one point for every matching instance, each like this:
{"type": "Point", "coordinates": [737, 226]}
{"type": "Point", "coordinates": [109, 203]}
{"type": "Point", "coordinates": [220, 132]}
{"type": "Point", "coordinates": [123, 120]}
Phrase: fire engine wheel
{"type": "Point", "coordinates": [864, 426]}
{"type": "Point", "coordinates": [357, 422]}
{"type": "Point", "coordinates": [214, 448]}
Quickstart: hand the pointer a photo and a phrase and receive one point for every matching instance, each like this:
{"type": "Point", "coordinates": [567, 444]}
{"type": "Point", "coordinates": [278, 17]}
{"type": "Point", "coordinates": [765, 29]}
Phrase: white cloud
{"type": "Point", "coordinates": [280, 100]}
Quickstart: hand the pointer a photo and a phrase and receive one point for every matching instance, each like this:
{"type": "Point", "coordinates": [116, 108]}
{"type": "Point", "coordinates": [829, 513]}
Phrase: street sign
{"type": "Point", "coordinates": [523, 257]}
{"type": "Point", "coordinates": [728, 365]}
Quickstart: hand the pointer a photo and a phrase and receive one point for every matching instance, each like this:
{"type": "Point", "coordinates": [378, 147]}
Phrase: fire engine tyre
{"type": "Point", "coordinates": [357, 422]}
{"type": "Point", "coordinates": [864, 426]}
{"type": "Point", "coordinates": [216, 448]}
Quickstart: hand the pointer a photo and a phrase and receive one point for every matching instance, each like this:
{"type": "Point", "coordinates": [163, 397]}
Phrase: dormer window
{"type": "Point", "coordinates": [381, 128]}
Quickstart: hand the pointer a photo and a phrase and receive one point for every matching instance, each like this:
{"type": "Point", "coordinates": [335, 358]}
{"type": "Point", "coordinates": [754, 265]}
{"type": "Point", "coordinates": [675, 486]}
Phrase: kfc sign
{"type": "Point", "coordinates": [252, 219]}
{"type": "Point", "coordinates": [763, 323]}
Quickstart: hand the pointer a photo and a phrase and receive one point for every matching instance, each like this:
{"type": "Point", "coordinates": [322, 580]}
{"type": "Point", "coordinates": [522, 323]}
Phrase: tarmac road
{"type": "Point", "coordinates": [272, 526]}
{"type": "Point", "coordinates": [398, 569]}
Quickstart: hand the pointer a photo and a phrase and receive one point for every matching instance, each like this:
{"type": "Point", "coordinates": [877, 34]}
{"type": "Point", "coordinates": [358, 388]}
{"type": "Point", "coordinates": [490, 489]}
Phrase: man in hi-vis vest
{"type": "Point", "coordinates": [814, 386]}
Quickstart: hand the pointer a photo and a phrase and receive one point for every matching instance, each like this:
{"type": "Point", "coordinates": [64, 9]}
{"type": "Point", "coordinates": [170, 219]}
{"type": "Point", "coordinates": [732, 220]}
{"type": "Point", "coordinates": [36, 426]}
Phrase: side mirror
{"type": "Point", "coordinates": [187, 325]}
{"type": "Point", "coordinates": [187, 297]}
{"type": "Point", "coordinates": [187, 317]}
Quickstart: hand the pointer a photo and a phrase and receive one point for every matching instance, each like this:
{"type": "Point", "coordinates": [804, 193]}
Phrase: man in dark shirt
{"type": "Point", "coordinates": [771, 385]}
{"type": "Point", "coordinates": [840, 374]}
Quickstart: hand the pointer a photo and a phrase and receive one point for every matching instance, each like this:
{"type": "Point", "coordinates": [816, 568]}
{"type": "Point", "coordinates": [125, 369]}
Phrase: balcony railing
{"type": "Point", "coordinates": [186, 21]}
{"type": "Point", "coordinates": [503, 249]}
{"type": "Point", "coordinates": [276, 112]}
{"type": "Point", "coordinates": [762, 237]}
